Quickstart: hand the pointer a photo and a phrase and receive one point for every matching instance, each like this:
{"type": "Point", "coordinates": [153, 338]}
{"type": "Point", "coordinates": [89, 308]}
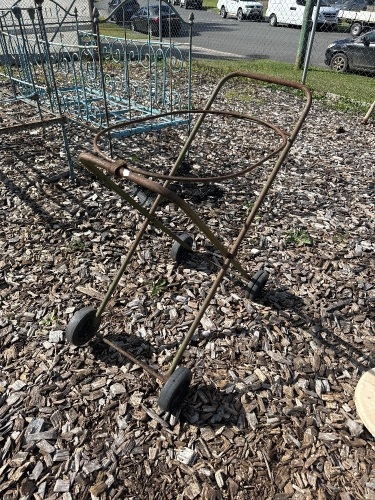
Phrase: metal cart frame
{"type": "Point", "coordinates": [85, 322]}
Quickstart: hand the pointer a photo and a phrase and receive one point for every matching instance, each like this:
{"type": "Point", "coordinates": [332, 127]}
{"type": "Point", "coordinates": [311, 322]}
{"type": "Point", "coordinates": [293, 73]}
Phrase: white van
{"type": "Point", "coordinates": [290, 12]}
{"type": "Point", "coordinates": [241, 9]}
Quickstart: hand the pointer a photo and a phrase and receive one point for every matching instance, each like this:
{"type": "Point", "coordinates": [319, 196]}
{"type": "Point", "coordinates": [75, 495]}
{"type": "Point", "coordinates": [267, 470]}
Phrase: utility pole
{"type": "Point", "coordinates": [91, 11]}
{"type": "Point", "coordinates": [304, 35]}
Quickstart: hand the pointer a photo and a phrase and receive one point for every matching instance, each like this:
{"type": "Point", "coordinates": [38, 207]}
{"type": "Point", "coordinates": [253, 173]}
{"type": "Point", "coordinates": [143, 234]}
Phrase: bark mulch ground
{"type": "Point", "coordinates": [271, 411]}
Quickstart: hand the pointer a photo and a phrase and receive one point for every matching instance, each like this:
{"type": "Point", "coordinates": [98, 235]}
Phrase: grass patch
{"type": "Point", "coordinates": [117, 31]}
{"type": "Point", "coordinates": [210, 4]}
{"type": "Point", "coordinates": [344, 91]}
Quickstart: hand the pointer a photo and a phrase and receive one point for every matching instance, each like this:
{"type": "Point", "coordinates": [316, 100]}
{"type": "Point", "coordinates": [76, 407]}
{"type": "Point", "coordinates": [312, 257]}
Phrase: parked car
{"type": "Point", "coordinates": [241, 9]}
{"type": "Point", "coordinates": [357, 54]}
{"type": "Point", "coordinates": [146, 20]}
{"type": "Point", "coordinates": [188, 4]}
{"type": "Point", "coordinates": [292, 13]}
{"type": "Point", "coordinates": [125, 12]}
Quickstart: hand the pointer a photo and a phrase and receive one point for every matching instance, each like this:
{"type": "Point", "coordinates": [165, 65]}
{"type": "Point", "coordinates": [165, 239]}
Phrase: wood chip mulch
{"type": "Point", "coordinates": [271, 411]}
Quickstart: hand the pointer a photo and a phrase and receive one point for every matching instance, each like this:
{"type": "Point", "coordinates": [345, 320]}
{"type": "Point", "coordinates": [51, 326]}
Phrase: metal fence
{"type": "Point", "coordinates": [101, 61]}
{"type": "Point", "coordinates": [58, 61]}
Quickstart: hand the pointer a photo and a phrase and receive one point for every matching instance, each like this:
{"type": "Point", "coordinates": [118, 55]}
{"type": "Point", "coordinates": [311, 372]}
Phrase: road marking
{"type": "Point", "coordinates": [215, 52]}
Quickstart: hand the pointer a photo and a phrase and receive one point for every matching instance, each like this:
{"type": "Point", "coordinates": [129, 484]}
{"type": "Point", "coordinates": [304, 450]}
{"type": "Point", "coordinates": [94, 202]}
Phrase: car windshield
{"type": "Point", "coordinates": [165, 10]}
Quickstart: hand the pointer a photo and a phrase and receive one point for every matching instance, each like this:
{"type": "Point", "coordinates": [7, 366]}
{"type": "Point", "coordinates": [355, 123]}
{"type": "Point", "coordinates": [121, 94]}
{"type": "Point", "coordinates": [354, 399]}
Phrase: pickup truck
{"type": "Point", "coordinates": [241, 9]}
{"type": "Point", "coordinates": [358, 21]}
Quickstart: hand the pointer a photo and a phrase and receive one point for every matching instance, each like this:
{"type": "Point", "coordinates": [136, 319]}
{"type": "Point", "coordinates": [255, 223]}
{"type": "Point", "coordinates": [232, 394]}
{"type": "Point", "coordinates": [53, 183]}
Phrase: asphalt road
{"type": "Point", "coordinates": [215, 37]}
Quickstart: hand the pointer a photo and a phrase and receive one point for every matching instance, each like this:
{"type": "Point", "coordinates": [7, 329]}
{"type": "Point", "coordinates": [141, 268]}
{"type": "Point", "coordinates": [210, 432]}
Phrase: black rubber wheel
{"type": "Point", "coordinates": [178, 252]}
{"type": "Point", "coordinates": [239, 15]}
{"type": "Point", "coordinates": [175, 389]}
{"type": "Point", "coordinates": [272, 20]}
{"type": "Point", "coordinates": [256, 284]}
{"type": "Point", "coordinates": [356, 29]}
{"type": "Point", "coordinates": [82, 327]}
{"type": "Point", "coordinates": [339, 63]}
{"type": "Point", "coordinates": [223, 12]}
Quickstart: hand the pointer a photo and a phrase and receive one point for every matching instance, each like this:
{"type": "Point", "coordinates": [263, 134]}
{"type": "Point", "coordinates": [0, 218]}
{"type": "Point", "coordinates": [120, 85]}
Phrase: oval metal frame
{"type": "Point", "coordinates": [282, 133]}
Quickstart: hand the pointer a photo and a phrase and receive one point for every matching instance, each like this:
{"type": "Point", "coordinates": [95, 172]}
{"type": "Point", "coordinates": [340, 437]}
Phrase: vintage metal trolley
{"type": "Point", "coordinates": [85, 323]}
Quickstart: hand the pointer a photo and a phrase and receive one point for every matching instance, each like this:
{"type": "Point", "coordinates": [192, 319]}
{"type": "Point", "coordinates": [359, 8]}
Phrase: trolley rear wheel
{"type": "Point", "coordinates": [82, 327]}
{"type": "Point", "coordinates": [178, 252]}
{"type": "Point", "coordinates": [175, 389]}
{"type": "Point", "coordinates": [256, 284]}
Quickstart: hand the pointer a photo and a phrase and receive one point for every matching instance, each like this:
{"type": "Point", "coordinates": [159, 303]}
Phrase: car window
{"type": "Point", "coordinates": [154, 10]}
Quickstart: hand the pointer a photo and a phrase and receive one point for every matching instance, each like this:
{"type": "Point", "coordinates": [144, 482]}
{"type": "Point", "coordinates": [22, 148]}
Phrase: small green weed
{"type": "Point", "coordinates": [158, 287]}
{"type": "Point", "coordinates": [75, 245]}
{"type": "Point", "coordinates": [298, 237]}
{"type": "Point", "coordinates": [49, 319]}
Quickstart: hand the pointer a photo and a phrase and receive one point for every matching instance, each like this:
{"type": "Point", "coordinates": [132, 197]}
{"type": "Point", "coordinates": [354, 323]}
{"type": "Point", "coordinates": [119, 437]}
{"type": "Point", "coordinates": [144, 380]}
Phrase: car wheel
{"type": "Point", "coordinates": [356, 29]}
{"type": "Point", "coordinates": [240, 15]}
{"type": "Point", "coordinates": [223, 12]}
{"type": "Point", "coordinates": [272, 20]}
{"type": "Point", "coordinates": [339, 63]}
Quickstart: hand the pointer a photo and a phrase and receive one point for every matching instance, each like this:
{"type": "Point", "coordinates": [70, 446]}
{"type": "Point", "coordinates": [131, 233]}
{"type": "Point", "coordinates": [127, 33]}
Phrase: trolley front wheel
{"type": "Point", "coordinates": [178, 252]}
{"type": "Point", "coordinates": [175, 389]}
{"type": "Point", "coordinates": [256, 284]}
{"type": "Point", "coordinates": [82, 327]}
